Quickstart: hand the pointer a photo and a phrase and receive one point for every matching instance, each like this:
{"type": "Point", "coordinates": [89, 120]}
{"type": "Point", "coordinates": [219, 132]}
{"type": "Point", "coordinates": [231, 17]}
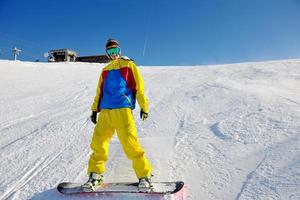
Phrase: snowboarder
{"type": "Point", "coordinates": [119, 86]}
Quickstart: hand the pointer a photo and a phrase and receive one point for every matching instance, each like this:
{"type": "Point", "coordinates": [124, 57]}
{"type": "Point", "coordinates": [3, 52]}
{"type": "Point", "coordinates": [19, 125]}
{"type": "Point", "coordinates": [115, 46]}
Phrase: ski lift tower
{"type": "Point", "coordinates": [16, 52]}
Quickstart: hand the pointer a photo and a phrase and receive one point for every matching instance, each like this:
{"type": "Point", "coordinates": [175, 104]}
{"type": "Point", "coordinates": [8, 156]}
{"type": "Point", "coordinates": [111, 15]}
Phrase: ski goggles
{"type": "Point", "coordinates": [113, 51]}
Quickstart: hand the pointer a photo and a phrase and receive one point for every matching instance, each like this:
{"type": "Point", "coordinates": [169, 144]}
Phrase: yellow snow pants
{"type": "Point", "coordinates": [120, 120]}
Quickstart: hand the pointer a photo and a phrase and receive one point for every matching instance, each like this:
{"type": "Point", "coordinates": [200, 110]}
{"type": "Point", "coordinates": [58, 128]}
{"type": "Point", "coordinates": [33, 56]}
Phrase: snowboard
{"type": "Point", "coordinates": [159, 188]}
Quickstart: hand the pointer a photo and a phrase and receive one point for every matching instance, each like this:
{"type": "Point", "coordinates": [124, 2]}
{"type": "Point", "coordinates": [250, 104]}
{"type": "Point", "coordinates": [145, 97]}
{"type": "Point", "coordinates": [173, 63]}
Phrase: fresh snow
{"type": "Point", "coordinates": [228, 131]}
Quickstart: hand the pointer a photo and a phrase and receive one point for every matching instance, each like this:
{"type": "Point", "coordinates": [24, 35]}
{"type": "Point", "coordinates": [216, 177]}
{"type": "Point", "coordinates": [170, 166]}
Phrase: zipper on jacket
{"type": "Point", "coordinates": [127, 97]}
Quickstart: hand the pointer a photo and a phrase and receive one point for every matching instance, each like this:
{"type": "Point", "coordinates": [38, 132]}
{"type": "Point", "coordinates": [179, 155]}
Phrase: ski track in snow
{"type": "Point", "coordinates": [228, 131]}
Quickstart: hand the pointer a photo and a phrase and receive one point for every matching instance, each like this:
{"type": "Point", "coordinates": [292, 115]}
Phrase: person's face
{"type": "Point", "coordinates": [115, 57]}
{"type": "Point", "coordinates": [114, 52]}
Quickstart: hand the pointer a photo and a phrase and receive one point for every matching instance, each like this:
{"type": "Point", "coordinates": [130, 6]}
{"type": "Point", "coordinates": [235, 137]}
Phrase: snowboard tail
{"type": "Point", "coordinates": [160, 188]}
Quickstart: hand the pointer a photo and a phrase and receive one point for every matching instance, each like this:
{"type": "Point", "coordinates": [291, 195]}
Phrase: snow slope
{"type": "Point", "coordinates": [229, 131]}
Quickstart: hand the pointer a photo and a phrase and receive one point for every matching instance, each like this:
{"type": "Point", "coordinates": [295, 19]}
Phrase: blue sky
{"type": "Point", "coordinates": [155, 32]}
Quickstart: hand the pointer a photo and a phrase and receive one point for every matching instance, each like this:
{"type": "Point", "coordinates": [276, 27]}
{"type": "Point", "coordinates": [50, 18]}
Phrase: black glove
{"type": "Point", "coordinates": [94, 117]}
{"type": "Point", "coordinates": [143, 115]}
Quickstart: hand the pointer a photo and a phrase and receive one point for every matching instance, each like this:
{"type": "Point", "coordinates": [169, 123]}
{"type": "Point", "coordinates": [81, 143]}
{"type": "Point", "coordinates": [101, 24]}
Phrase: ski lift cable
{"type": "Point", "coordinates": [23, 42]}
{"type": "Point", "coordinates": [150, 14]}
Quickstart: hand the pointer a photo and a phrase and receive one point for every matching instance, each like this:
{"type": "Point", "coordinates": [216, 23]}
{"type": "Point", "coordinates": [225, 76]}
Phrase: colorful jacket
{"type": "Point", "coordinates": [120, 84]}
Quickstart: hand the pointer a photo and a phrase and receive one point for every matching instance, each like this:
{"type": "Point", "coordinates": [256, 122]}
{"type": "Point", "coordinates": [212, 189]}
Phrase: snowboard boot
{"type": "Point", "coordinates": [145, 183]}
{"type": "Point", "coordinates": [95, 180]}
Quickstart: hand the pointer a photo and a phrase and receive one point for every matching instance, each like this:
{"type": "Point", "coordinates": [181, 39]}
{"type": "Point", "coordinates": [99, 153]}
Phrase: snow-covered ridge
{"type": "Point", "coordinates": [229, 131]}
